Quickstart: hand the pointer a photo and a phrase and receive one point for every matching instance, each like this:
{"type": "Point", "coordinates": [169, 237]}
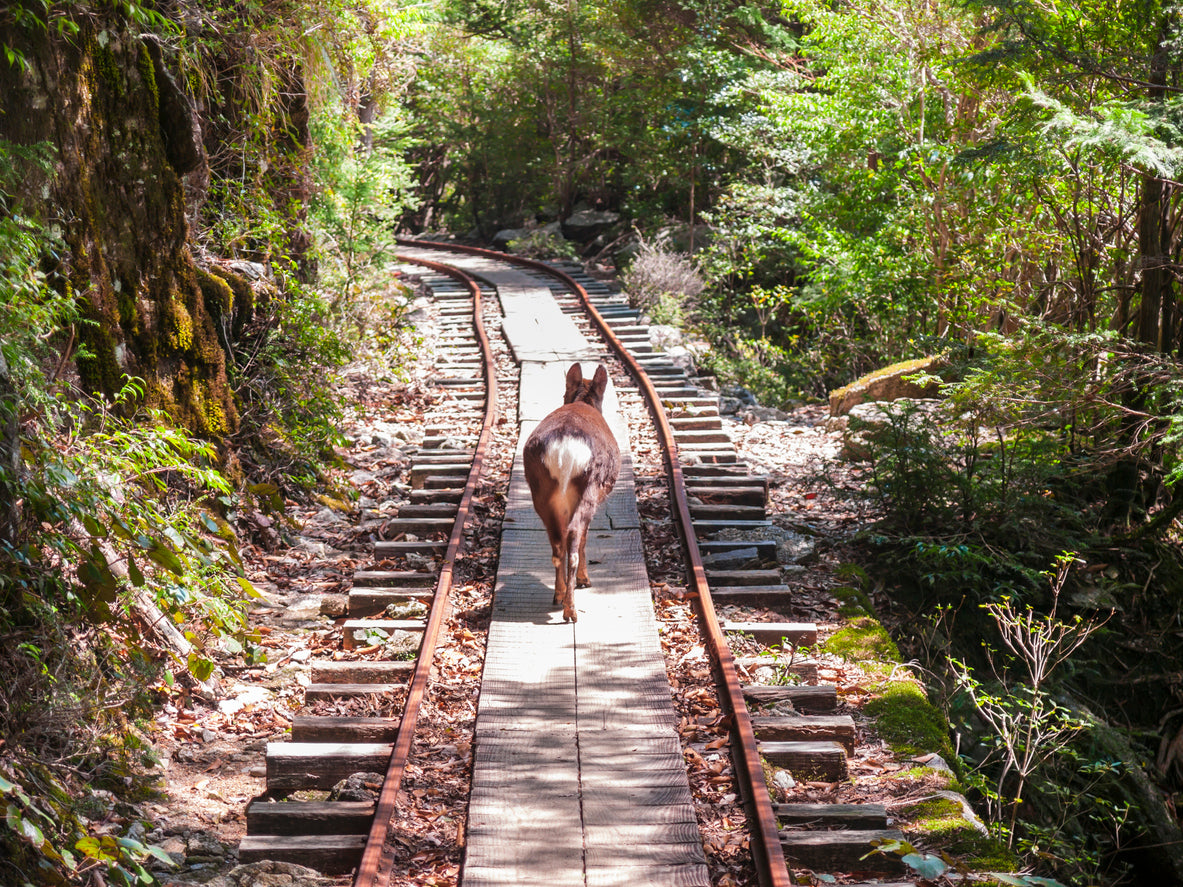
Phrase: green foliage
{"type": "Point", "coordinates": [362, 193]}
{"type": "Point", "coordinates": [284, 376]}
{"type": "Point", "coordinates": [542, 245]}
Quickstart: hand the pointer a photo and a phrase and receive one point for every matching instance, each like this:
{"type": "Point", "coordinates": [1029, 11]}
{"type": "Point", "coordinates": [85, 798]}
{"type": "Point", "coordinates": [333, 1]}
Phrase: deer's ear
{"type": "Point", "coordinates": [574, 378]}
{"type": "Point", "coordinates": [599, 383]}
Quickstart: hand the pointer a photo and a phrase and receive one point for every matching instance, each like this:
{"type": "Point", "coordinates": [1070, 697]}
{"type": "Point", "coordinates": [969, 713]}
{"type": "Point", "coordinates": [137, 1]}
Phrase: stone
{"type": "Point", "coordinates": [888, 384]}
{"type": "Point", "coordinates": [358, 787]}
{"type": "Point", "coordinates": [584, 226]}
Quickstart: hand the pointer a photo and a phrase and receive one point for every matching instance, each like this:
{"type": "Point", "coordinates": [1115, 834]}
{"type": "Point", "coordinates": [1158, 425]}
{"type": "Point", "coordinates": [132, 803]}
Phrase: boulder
{"type": "Point", "coordinates": [888, 384]}
{"type": "Point", "coordinates": [584, 226]}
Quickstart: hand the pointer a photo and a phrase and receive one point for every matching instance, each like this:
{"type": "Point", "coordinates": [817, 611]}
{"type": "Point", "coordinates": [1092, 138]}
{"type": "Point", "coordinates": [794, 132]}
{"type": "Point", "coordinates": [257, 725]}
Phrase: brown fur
{"type": "Point", "coordinates": [561, 439]}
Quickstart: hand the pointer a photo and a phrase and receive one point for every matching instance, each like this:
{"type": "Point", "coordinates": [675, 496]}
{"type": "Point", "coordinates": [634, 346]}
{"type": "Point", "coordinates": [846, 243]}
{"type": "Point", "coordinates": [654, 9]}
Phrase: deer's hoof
{"type": "Point", "coordinates": [582, 583]}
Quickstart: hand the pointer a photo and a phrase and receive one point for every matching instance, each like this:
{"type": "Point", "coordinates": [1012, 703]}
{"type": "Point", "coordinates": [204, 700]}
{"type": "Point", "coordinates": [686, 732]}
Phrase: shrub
{"type": "Point", "coordinates": [657, 274]}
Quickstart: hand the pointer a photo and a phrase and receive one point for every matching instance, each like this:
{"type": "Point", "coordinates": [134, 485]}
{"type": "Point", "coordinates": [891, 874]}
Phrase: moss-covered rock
{"type": "Point", "coordinates": [908, 722]}
{"type": "Point", "coordinates": [886, 384]}
{"type": "Point", "coordinates": [96, 97]}
{"type": "Point", "coordinates": [864, 638]}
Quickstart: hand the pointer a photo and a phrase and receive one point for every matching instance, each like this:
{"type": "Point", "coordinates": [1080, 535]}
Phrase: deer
{"type": "Point", "coordinates": [572, 461]}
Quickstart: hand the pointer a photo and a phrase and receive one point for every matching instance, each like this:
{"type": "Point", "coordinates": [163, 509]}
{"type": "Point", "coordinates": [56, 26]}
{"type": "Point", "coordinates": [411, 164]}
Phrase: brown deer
{"type": "Point", "coordinates": [572, 462]}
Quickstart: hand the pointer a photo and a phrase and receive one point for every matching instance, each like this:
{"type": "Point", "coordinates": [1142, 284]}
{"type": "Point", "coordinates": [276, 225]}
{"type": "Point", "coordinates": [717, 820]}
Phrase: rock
{"type": "Point", "coordinates": [584, 226]}
{"type": "Point", "coordinates": [331, 605]}
{"type": "Point", "coordinates": [753, 415]}
{"type": "Point", "coordinates": [502, 238]}
{"type": "Point", "coordinates": [739, 559]}
{"type": "Point", "coordinates": [203, 845]}
{"type": "Point", "coordinates": [791, 547]}
{"type": "Point", "coordinates": [400, 643]}
{"type": "Point", "coordinates": [745, 397]}
{"type": "Point", "coordinates": [358, 787]}
{"type": "Point", "coordinates": [269, 873]}
{"type": "Point", "coordinates": [783, 780]}
{"type": "Point", "coordinates": [305, 608]}
{"type": "Point", "coordinates": [663, 336]}
{"type": "Point", "coordinates": [888, 384]}
{"type": "Point", "coordinates": [406, 610]}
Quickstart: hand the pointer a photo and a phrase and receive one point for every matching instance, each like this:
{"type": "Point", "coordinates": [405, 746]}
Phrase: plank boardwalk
{"type": "Point", "coordinates": [578, 777]}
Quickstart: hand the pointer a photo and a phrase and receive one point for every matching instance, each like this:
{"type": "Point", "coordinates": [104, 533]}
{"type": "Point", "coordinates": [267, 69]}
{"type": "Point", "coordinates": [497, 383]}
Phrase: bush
{"type": "Point", "coordinates": [657, 274]}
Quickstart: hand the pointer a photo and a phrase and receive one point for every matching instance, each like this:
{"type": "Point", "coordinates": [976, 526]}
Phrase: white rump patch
{"type": "Point", "coordinates": [565, 458]}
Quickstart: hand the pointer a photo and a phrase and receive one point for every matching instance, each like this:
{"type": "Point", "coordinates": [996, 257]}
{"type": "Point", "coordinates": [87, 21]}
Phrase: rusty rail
{"type": "Point", "coordinates": [770, 860]}
{"type": "Point", "coordinates": [376, 861]}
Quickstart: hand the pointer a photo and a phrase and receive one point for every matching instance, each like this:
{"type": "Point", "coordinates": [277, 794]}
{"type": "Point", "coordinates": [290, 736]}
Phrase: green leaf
{"type": "Point", "coordinates": [200, 667]}
{"type": "Point", "coordinates": [24, 827]}
{"type": "Point", "coordinates": [167, 558]}
{"type": "Point", "coordinates": [926, 865]}
{"type": "Point", "coordinates": [161, 854]}
{"type": "Point", "coordinates": [6, 786]}
{"type": "Point", "coordinates": [133, 573]}
{"type": "Point", "coordinates": [248, 589]}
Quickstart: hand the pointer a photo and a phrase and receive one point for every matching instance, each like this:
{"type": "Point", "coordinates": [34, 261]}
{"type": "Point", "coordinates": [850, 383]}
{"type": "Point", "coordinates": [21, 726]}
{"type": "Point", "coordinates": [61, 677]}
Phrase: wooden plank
{"type": "Point", "coordinates": [387, 578]}
{"type": "Point", "coordinates": [316, 728]}
{"type": "Point", "coordinates": [649, 875]}
{"type": "Point", "coordinates": [726, 512]}
{"type": "Point", "coordinates": [358, 632]}
{"type": "Point", "coordinates": [820, 698]}
{"type": "Point", "coordinates": [765, 548]}
{"type": "Point", "coordinates": [325, 692]}
{"type": "Point", "coordinates": [309, 817]}
{"type": "Point", "coordinates": [696, 423]}
{"type": "Point", "coordinates": [852, 816]}
{"type": "Point", "coordinates": [420, 525]}
{"type": "Point", "coordinates": [450, 495]}
{"type": "Point", "coordinates": [401, 549]}
{"type": "Point", "coordinates": [808, 760]}
{"type": "Point", "coordinates": [750, 496]}
{"type": "Point", "coordinates": [296, 766]}
{"type": "Point", "coordinates": [841, 851]}
{"type": "Point", "coordinates": [707, 527]}
{"type": "Point", "coordinates": [427, 510]}
{"type": "Point", "coordinates": [771, 596]}
{"type": "Point", "coordinates": [330, 854]}
{"type": "Point", "coordinates": [362, 671]}
{"type": "Point", "coordinates": [742, 577]}
{"type": "Point", "coordinates": [782, 634]}
{"type": "Point", "coordinates": [684, 436]}
{"type": "Point", "coordinates": [807, 728]}
{"type": "Point", "coordinates": [372, 601]}
{"type": "Point", "coordinates": [451, 470]}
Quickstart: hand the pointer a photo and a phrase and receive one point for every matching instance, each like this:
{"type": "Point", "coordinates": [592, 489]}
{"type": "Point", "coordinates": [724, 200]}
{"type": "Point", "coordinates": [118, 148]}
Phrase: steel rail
{"type": "Point", "coordinates": [770, 862]}
{"type": "Point", "coordinates": [376, 862]}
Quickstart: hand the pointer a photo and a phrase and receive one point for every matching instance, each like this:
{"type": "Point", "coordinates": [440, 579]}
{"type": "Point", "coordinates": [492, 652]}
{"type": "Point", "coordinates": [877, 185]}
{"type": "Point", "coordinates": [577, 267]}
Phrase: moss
{"type": "Point", "coordinates": [148, 76]}
{"type": "Point", "coordinates": [179, 327]}
{"type": "Point", "coordinates": [853, 602]}
{"type": "Point", "coordinates": [909, 723]}
{"type": "Point", "coordinates": [903, 366]}
{"type": "Point", "coordinates": [107, 68]}
{"type": "Point", "coordinates": [942, 822]}
{"type": "Point", "coordinates": [243, 300]}
{"type": "Point", "coordinates": [864, 638]}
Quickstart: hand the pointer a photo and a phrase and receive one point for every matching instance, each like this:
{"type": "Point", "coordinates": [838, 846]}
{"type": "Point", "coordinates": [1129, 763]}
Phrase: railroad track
{"type": "Point", "coordinates": [719, 510]}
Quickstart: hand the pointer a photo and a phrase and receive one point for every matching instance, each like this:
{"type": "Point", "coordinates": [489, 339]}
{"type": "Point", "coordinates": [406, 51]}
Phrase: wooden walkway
{"type": "Point", "coordinates": [578, 772]}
